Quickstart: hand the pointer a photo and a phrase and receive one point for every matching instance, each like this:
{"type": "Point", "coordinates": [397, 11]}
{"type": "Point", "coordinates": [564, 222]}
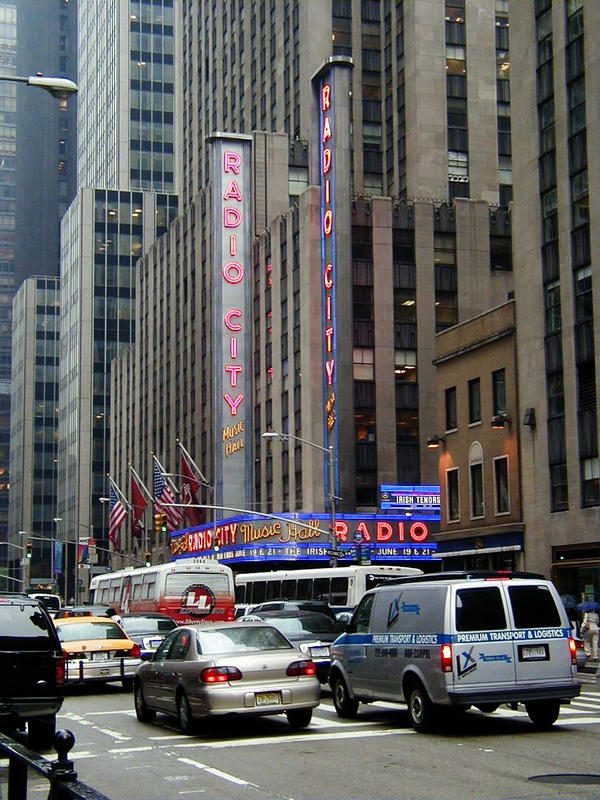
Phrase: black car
{"type": "Point", "coordinates": [85, 611]}
{"type": "Point", "coordinates": [316, 606]}
{"type": "Point", "coordinates": [32, 666]}
{"type": "Point", "coordinates": [147, 629]}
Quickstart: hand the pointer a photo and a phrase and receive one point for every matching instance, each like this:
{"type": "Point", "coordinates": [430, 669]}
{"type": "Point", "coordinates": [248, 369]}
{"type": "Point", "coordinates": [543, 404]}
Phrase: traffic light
{"type": "Point", "coordinates": [216, 544]}
{"type": "Point", "coordinates": [163, 523]}
{"type": "Point", "coordinates": [158, 523]}
{"type": "Point", "coordinates": [28, 549]}
{"type": "Point", "coordinates": [148, 558]}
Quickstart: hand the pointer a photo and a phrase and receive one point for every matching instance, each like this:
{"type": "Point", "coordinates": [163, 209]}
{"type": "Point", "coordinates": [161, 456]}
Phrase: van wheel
{"type": "Point", "coordinates": [345, 705]}
{"type": "Point", "coordinates": [299, 717]}
{"type": "Point", "coordinates": [41, 732]}
{"type": "Point", "coordinates": [420, 708]}
{"type": "Point", "coordinates": [184, 714]}
{"type": "Point", "coordinates": [544, 713]}
{"type": "Point", "coordinates": [142, 712]}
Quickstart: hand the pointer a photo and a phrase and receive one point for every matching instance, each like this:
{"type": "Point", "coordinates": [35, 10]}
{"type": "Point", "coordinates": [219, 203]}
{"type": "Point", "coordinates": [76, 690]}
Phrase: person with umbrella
{"type": "Point", "coordinates": [589, 627]}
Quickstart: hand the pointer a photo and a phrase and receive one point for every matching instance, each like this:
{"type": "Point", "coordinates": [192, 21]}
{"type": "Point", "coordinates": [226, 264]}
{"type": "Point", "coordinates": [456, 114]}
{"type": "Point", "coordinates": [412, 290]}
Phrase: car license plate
{"type": "Point", "coordinates": [268, 699]}
{"type": "Point", "coordinates": [319, 652]}
{"type": "Point", "coordinates": [537, 653]}
{"type": "Point", "coordinates": [102, 656]}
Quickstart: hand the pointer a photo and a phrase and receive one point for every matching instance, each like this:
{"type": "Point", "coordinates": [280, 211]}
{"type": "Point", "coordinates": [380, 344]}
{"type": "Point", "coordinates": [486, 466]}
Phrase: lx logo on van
{"type": "Point", "coordinates": [393, 611]}
{"type": "Point", "coordinates": [468, 664]}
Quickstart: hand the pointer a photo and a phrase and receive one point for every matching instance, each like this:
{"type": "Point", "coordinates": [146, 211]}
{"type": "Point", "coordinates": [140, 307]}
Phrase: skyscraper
{"type": "Point", "coordinates": [126, 172]}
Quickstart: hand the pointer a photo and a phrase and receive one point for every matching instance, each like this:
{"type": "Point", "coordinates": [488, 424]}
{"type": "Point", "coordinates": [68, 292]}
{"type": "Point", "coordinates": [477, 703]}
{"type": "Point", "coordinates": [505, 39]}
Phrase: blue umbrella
{"type": "Point", "coordinates": [589, 605]}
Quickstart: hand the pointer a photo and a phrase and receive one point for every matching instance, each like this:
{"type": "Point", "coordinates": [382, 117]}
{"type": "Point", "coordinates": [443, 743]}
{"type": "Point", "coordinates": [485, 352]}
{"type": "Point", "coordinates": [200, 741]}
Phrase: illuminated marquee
{"type": "Point", "coordinates": [305, 537]}
{"type": "Point", "coordinates": [231, 316]}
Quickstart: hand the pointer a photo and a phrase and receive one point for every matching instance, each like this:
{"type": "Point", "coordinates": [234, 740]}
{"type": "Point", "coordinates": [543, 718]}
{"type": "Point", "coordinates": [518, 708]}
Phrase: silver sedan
{"type": "Point", "coordinates": [207, 670]}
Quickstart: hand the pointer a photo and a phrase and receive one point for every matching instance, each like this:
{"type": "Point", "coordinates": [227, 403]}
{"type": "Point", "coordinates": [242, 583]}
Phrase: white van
{"type": "Point", "coordinates": [457, 640]}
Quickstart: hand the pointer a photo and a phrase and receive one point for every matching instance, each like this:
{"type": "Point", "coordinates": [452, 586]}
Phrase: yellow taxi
{"type": "Point", "coordinates": [97, 649]}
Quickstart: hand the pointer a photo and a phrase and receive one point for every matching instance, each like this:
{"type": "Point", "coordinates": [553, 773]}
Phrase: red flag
{"type": "Point", "coordinates": [139, 503]}
{"type": "Point", "coordinates": [189, 487]}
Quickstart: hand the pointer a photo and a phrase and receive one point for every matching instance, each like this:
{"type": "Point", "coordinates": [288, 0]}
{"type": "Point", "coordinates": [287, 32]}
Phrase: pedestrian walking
{"type": "Point", "coordinates": [589, 631]}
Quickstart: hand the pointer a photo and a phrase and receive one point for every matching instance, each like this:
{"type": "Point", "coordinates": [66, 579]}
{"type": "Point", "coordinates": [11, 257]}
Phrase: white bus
{"type": "Point", "coordinates": [340, 587]}
{"type": "Point", "coordinates": [188, 590]}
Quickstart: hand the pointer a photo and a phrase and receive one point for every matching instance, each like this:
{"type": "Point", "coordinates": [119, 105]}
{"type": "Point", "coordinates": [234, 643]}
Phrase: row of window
{"type": "Point", "coordinates": [476, 483]}
{"type": "Point", "coordinates": [474, 397]}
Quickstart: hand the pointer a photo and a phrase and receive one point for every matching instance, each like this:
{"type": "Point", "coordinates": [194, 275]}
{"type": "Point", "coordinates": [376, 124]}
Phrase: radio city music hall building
{"type": "Point", "coordinates": [284, 303]}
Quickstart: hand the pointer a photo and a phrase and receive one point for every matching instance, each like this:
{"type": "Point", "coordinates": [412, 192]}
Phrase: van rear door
{"type": "Point", "coordinates": [482, 646]}
{"type": "Point", "coordinates": [542, 633]}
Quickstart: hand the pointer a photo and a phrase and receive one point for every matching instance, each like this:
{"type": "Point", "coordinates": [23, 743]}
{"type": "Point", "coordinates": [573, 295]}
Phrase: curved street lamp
{"type": "Point", "coordinates": [61, 88]}
{"type": "Point", "coordinates": [330, 452]}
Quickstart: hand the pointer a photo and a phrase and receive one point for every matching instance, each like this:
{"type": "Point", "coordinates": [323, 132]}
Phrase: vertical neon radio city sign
{"type": "Point", "coordinates": [231, 316]}
{"type": "Point", "coordinates": [328, 260]}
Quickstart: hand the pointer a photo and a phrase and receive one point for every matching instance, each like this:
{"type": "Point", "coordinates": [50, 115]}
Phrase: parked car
{"type": "Point", "coordinates": [249, 669]}
{"type": "Point", "coordinates": [97, 649]}
{"type": "Point", "coordinates": [292, 605]}
{"type": "Point", "coordinates": [148, 630]}
{"type": "Point", "coordinates": [85, 611]}
{"type": "Point", "coordinates": [32, 668]}
{"type": "Point", "coordinates": [311, 632]}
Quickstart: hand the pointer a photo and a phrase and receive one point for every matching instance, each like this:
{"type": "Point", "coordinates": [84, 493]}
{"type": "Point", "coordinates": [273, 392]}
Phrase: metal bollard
{"type": "Point", "coordinates": [61, 770]}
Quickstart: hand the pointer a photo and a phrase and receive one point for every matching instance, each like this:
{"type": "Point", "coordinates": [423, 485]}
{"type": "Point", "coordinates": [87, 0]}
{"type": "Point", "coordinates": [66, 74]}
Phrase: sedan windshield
{"type": "Point", "coordinates": [242, 639]}
{"type": "Point", "coordinates": [90, 630]}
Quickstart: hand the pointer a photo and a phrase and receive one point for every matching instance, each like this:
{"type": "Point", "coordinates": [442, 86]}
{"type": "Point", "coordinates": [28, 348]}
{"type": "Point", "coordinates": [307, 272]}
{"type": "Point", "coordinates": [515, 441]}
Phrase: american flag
{"type": "Point", "coordinates": [162, 495]}
{"type": "Point", "coordinates": [116, 517]}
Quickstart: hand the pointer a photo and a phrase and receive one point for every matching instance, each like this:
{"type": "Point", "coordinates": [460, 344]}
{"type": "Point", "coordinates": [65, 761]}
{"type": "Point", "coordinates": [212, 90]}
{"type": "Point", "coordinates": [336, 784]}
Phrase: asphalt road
{"type": "Point", "coordinates": [376, 756]}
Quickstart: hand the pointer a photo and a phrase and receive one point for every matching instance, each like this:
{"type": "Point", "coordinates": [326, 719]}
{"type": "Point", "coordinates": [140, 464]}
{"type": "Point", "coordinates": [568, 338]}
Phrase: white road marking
{"type": "Point", "coordinates": [130, 749]}
{"type": "Point", "coordinates": [217, 772]}
{"type": "Point", "coordinates": [307, 737]}
{"type": "Point", "coordinates": [102, 713]}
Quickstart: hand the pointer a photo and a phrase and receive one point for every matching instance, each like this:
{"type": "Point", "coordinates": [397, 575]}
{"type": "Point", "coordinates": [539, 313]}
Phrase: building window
{"type": "Point", "coordinates": [451, 409]}
{"type": "Point", "coordinates": [476, 480]}
{"type": "Point", "coordinates": [474, 401]}
{"type": "Point", "coordinates": [501, 483]}
{"type": "Point", "coordinates": [591, 481]}
{"type": "Point", "coordinates": [499, 391]}
{"type": "Point", "coordinates": [452, 494]}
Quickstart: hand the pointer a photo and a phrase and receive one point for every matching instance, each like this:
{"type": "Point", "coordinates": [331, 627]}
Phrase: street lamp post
{"type": "Point", "coordinates": [330, 452]}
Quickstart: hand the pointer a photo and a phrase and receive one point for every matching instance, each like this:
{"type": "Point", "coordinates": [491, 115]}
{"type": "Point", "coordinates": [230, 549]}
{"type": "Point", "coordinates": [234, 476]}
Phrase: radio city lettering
{"type": "Point", "coordinates": [246, 532]}
{"type": "Point", "coordinates": [233, 436]}
{"type": "Point", "coordinates": [233, 273]}
{"type": "Point", "coordinates": [328, 228]}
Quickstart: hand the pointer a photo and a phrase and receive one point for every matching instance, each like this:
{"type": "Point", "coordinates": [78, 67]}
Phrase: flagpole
{"type": "Point", "coordinates": [165, 474]}
{"type": "Point", "coordinates": [196, 467]}
{"type": "Point", "coordinates": [203, 479]}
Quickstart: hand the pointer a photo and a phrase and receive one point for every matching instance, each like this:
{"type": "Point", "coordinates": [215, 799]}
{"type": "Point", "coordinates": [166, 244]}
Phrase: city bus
{"type": "Point", "coordinates": [188, 590]}
{"type": "Point", "coordinates": [340, 587]}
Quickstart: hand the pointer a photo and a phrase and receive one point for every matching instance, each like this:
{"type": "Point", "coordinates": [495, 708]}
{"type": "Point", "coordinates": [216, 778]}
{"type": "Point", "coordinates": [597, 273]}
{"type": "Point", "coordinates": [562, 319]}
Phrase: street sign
{"type": "Point", "coordinates": [358, 536]}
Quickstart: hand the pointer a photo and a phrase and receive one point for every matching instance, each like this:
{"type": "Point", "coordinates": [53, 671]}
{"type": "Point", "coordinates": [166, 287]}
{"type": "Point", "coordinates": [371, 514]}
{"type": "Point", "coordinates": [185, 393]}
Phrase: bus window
{"type": "Point", "coordinates": [288, 590]}
{"type": "Point", "coordinates": [136, 591]}
{"type": "Point", "coordinates": [273, 590]}
{"type": "Point", "coordinates": [149, 584]}
{"type": "Point", "coordinates": [240, 594]}
{"type": "Point", "coordinates": [305, 586]}
{"type": "Point", "coordinates": [115, 591]}
{"type": "Point", "coordinates": [321, 590]}
{"type": "Point", "coordinates": [339, 592]}
{"type": "Point", "coordinates": [259, 592]}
